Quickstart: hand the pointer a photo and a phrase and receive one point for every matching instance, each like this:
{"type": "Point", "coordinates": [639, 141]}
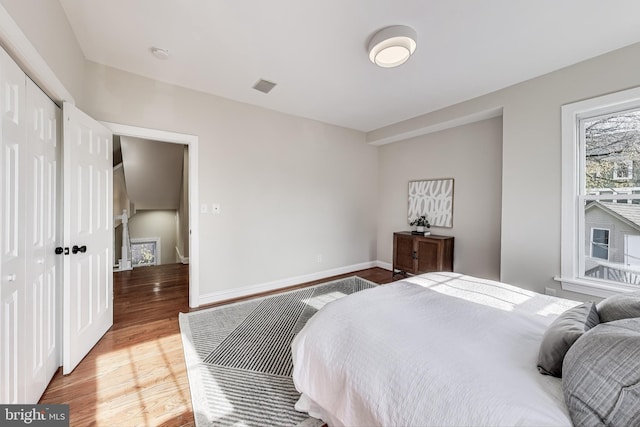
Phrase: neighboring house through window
{"type": "Point", "coordinates": [623, 170]}
{"type": "Point", "coordinates": [601, 194]}
{"type": "Point", "coordinates": [631, 250]}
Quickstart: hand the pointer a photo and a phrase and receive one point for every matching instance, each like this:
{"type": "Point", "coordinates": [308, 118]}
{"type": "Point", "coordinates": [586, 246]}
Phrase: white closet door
{"type": "Point", "coordinates": [41, 356]}
{"type": "Point", "coordinates": [88, 229]}
{"type": "Point", "coordinates": [12, 195]}
{"type": "Point", "coordinates": [29, 268]}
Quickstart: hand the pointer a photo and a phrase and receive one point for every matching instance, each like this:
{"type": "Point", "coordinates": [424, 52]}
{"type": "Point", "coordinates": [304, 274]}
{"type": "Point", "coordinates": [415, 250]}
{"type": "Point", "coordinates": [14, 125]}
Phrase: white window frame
{"type": "Point", "coordinates": [572, 226]}
{"type": "Point", "coordinates": [591, 243]}
{"type": "Point", "coordinates": [629, 167]}
{"type": "Point", "coordinates": [139, 240]}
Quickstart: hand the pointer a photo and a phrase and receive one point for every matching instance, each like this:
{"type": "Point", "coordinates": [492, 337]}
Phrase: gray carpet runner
{"type": "Point", "coordinates": [239, 356]}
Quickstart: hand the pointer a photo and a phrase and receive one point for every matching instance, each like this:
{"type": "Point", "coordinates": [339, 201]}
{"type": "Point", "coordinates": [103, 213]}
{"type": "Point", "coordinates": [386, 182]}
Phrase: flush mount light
{"type": "Point", "coordinates": [160, 53]}
{"type": "Point", "coordinates": [392, 46]}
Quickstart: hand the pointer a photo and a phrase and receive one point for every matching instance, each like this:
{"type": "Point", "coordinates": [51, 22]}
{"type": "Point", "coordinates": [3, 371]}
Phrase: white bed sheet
{"type": "Point", "coordinates": [436, 349]}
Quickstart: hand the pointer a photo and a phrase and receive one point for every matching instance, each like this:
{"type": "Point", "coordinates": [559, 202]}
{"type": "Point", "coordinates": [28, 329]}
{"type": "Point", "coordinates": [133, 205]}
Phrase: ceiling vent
{"type": "Point", "coordinates": [264, 86]}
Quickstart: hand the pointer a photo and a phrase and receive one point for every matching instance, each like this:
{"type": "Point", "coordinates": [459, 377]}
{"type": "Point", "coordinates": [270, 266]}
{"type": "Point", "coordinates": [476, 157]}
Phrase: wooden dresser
{"type": "Point", "coordinates": [418, 254]}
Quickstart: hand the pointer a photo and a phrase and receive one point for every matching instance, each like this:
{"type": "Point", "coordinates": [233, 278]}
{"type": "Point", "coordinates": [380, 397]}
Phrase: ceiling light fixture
{"type": "Point", "coordinates": [160, 53]}
{"type": "Point", "coordinates": [392, 46]}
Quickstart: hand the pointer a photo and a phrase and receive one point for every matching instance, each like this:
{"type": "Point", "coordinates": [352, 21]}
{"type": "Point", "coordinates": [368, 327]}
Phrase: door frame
{"type": "Point", "coordinates": [194, 227]}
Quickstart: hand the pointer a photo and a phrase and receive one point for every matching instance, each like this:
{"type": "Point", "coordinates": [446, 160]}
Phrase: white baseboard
{"type": "Point", "coordinates": [385, 265]}
{"type": "Point", "coordinates": [280, 284]}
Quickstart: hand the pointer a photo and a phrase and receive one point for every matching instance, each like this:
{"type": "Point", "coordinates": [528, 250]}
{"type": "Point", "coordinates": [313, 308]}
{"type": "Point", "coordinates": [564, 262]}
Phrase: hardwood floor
{"type": "Point", "coordinates": [136, 375]}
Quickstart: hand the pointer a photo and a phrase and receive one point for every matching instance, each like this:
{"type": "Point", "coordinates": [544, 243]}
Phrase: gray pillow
{"type": "Point", "coordinates": [623, 306]}
{"type": "Point", "coordinates": [601, 375]}
{"type": "Point", "coordinates": [561, 335]}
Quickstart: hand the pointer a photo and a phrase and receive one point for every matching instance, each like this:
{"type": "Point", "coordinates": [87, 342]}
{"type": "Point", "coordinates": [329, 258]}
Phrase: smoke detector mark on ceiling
{"type": "Point", "coordinates": [160, 53]}
{"type": "Point", "coordinates": [264, 86]}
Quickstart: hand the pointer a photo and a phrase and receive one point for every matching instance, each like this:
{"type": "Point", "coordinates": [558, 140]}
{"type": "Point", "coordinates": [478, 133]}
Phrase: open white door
{"type": "Point", "coordinates": [88, 201]}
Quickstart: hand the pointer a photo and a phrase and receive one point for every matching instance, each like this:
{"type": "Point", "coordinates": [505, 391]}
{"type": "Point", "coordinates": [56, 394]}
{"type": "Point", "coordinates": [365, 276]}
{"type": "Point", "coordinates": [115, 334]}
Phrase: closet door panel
{"type": "Point", "coordinates": [29, 268]}
{"type": "Point", "coordinates": [12, 228]}
{"type": "Point", "coordinates": [42, 357]}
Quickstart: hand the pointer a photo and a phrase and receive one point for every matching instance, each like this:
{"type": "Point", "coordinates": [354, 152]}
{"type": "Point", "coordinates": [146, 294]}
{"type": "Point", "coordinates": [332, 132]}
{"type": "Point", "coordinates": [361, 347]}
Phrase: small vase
{"type": "Point", "coordinates": [420, 228]}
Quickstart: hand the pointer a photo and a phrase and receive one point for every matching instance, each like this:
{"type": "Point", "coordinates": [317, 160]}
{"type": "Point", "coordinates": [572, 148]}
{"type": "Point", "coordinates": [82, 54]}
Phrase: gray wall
{"type": "Point", "coordinates": [297, 196]}
{"type": "Point", "coordinates": [531, 147]}
{"type": "Point", "coordinates": [156, 223]}
{"type": "Point", "coordinates": [292, 189]}
{"type": "Point", "coordinates": [472, 156]}
{"type": "Point", "coordinates": [46, 26]}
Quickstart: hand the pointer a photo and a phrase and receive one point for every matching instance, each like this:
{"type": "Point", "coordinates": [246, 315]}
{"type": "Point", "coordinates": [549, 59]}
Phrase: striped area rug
{"type": "Point", "coordinates": [238, 356]}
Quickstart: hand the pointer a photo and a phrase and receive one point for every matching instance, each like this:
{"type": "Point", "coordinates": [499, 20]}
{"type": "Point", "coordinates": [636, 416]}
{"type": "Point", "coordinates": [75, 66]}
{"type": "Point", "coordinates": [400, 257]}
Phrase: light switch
{"type": "Point", "coordinates": [215, 208]}
{"type": "Point", "coordinates": [204, 208]}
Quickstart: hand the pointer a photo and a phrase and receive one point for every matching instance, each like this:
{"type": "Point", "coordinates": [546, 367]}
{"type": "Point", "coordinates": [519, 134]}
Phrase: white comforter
{"type": "Point", "coordinates": [437, 349]}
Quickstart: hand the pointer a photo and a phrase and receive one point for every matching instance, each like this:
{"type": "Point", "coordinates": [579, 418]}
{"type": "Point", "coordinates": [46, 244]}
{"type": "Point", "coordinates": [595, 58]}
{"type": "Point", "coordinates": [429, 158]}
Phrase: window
{"type": "Point", "coordinates": [601, 194]}
{"type": "Point", "coordinates": [145, 251]}
{"type": "Point", "coordinates": [623, 171]}
{"type": "Point", "coordinates": [600, 243]}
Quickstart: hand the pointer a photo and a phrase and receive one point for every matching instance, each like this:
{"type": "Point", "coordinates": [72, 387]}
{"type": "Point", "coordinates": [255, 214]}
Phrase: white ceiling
{"type": "Point", "coordinates": [316, 50]}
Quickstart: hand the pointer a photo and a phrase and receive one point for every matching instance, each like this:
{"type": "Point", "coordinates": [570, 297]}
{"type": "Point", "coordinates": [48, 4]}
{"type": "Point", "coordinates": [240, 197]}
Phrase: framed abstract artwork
{"type": "Point", "coordinates": [432, 198]}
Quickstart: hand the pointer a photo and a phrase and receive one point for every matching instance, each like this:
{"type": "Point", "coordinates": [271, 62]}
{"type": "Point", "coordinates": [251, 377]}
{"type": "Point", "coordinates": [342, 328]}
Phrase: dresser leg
{"type": "Point", "coordinates": [394, 273]}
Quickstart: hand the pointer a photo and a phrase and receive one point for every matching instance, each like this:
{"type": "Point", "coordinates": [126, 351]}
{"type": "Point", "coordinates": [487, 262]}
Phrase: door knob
{"type": "Point", "coordinates": [75, 249]}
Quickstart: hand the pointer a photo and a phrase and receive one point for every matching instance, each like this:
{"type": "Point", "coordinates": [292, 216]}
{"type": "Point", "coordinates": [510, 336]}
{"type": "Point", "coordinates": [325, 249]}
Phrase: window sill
{"type": "Point", "coordinates": [598, 289]}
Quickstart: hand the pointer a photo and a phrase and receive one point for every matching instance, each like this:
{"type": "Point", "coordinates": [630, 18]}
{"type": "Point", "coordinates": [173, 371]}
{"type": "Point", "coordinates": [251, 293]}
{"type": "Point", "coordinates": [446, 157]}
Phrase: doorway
{"type": "Point", "coordinates": [191, 141]}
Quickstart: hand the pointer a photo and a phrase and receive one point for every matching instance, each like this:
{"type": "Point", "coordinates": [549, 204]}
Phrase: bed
{"type": "Point", "coordinates": [436, 349]}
